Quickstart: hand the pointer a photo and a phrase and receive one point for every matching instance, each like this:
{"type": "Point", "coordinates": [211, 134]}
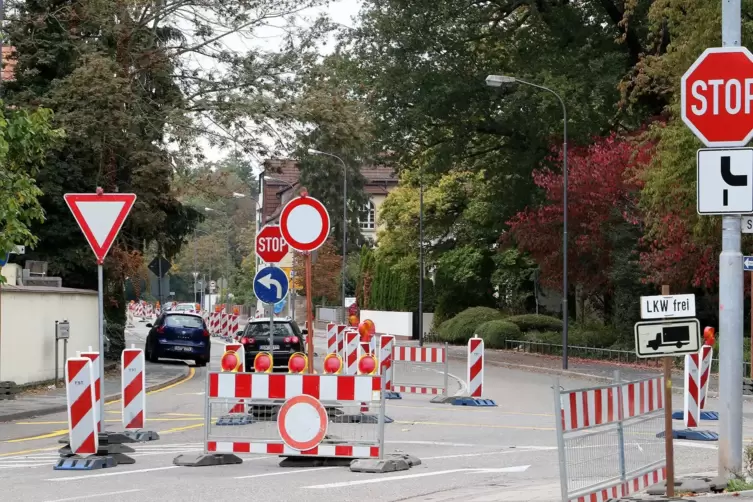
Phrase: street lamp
{"type": "Point", "coordinates": [311, 151]}
{"type": "Point", "coordinates": [499, 81]}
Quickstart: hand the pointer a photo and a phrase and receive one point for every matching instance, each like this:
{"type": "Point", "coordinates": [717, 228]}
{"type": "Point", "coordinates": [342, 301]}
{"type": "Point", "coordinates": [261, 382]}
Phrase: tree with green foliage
{"type": "Point", "coordinates": [25, 140]}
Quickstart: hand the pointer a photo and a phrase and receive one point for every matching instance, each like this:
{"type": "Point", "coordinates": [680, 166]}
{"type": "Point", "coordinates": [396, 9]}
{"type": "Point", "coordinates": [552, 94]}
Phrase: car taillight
{"type": "Point", "coordinates": [161, 329]}
{"type": "Point", "coordinates": [246, 340]}
{"type": "Point", "coordinates": [291, 339]}
{"type": "Point", "coordinates": [206, 332]}
{"type": "Point", "coordinates": [287, 339]}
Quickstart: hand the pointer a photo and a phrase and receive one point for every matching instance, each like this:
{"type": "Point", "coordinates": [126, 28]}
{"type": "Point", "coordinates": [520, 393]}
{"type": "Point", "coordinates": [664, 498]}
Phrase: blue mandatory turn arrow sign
{"type": "Point", "coordinates": [748, 263]}
{"type": "Point", "coordinates": [271, 285]}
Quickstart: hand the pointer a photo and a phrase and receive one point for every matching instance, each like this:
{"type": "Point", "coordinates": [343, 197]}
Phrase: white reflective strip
{"type": "Point", "coordinates": [258, 448]}
{"type": "Point", "coordinates": [223, 447]}
{"type": "Point", "coordinates": [328, 387]}
{"type": "Point", "coordinates": [287, 450]}
{"type": "Point", "coordinates": [579, 411]}
{"type": "Point", "coordinates": [82, 431]}
{"type": "Point", "coordinates": [326, 450]}
{"type": "Point", "coordinates": [362, 451]}
{"type": "Point", "coordinates": [591, 397]}
{"type": "Point", "coordinates": [625, 401]}
{"type": "Point", "coordinates": [363, 388]}
{"type": "Point", "coordinates": [260, 385]}
{"type": "Point", "coordinates": [132, 409]}
{"type": "Point", "coordinates": [84, 375]}
{"type": "Point", "coordinates": [565, 405]}
{"type": "Point", "coordinates": [293, 386]}
{"type": "Point", "coordinates": [225, 385]}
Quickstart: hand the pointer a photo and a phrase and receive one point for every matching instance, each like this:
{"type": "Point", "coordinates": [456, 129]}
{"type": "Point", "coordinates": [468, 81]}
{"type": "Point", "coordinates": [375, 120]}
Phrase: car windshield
{"type": "Point", "coordinates": [184, 321]}
{"type": "Point", "coordinates": [262, 328]}
{"type": "Point", "coordinates": [184, 307]}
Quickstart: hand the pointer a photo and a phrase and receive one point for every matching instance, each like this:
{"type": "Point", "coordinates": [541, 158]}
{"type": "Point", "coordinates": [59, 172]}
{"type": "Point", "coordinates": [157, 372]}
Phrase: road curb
{"type": "Point", "coordinates": [108, 399]}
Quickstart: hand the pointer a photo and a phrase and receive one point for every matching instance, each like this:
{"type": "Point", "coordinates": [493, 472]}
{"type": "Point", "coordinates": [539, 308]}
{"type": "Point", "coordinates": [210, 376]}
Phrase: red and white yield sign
{"type": "Point", "coordinates": [717, 97]}
{"type": "Point", "coordinates": [304, 223]}
{"type": "Point", "coordinates": [270, 245]}
{"type": "Point", "coordinates": [100, 216]}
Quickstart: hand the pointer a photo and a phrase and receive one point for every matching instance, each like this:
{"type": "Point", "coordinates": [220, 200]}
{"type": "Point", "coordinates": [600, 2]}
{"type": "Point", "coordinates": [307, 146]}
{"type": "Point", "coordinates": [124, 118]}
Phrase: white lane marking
{"type": "Point", "coordinates": [433, 443]}
{"type": "Point", "coordinates": [281, 473]}
{"type": "Point", "coordinates": [94, 496]}
{"type": "Point", "coordinates": [519, 468]}
{"type": "Point", "coordinates": [118, 473]}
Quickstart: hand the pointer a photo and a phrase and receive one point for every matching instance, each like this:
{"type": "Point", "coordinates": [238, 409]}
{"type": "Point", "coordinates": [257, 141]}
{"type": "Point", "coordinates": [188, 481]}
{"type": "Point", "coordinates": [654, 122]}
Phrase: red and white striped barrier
{"type": "Point", "coordinates": [636, 484]}
{"type": "Point", "coordinates": [79, 391]}
{"type": "Point", "coordinates": [601, 406]}
{"type": "Point", "coordinates": [133, 388]}
{"type": "Point", "coordinates": [331, 338]}
{"type": "Point", "coordinates": [234, 324]}
{"type": "Point", "coordinates": [408, 359]}
{"type": "Point", "coordinates": [225, 324]}
{"type": "Point", "coordinates": [94, 358]}
{"type": "Point", "coordinates": [352, 349]}
{"type": "Point", "coordinates": [304, 395]}
{"type": "Point", "coordinates": [341, 340]}
{"type": "Point", "coordinates": [475, 367]}
{"type": "Point", "coordinates": [386, 346]}
{"type": "Point", "coordinates": [697, 373]}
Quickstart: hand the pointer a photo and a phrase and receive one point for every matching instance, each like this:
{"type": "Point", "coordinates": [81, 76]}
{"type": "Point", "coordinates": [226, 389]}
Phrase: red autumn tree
{"type": "Point", "coordinates": [602, 193]}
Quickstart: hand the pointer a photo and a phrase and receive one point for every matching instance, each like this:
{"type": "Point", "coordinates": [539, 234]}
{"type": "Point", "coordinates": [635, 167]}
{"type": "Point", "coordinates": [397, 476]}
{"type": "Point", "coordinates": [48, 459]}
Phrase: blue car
{"type": "Point", "coordinates": [178, 335]}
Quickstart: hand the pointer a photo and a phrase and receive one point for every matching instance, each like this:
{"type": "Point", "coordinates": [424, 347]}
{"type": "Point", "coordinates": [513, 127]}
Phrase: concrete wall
{"type": "Point", "coordinates": [390, 323]}
{"type": "Point", "coordinates": [27, 329]}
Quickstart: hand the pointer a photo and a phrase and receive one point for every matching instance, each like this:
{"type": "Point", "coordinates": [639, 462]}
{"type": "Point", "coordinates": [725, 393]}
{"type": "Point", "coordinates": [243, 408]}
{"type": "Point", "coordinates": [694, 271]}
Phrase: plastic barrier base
{"type": "Point", "coordinates": [235, 420]}
{"type": "Point", "coordinates": [473, 401]}
{"type": "Point", "coordinates": [141, 436]}
{"type": "Point", "coordinates": [692, 435]}
{"type": "Point", "coordinates": [76, 463]}
{"type": "Point", "coordinates": [315, 462]}
{"type": "Point", "coordinates": [705, 415]}
{"type": "Point", "coordinates": [442, 399]}
{"type": "Point", "coordinates": [207, 459]}
{"type": "Point", "coordinates": [379, 466]}
{"type": "Point", "coordinates": [392, 395]}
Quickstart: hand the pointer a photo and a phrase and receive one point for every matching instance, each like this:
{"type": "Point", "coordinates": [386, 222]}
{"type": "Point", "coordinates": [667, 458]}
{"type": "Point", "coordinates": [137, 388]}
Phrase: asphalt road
{"type": "Point", "coordinates": [506, 453]}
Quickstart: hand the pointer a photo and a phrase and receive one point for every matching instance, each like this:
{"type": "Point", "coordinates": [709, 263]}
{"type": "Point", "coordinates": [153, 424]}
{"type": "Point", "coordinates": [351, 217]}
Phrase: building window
{"type": "Point", "coordinates": [367, 216]}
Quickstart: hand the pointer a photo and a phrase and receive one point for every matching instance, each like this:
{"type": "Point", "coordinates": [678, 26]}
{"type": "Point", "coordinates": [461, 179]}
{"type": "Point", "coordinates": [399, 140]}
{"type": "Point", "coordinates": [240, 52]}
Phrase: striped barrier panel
{"type": "Point", "coordinates": [79, 390]}
{"type": "Point", "coordinates": [420, 370]}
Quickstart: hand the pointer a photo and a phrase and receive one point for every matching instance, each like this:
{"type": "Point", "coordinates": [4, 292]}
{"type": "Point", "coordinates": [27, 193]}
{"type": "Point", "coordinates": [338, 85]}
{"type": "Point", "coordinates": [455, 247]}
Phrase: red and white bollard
{"type": "Point", "coordinates": [79, 391]}
{"type": "Point", "coordinates": [352, 349]}
{"type": "Point", "coordinates": [475, 367]}
{"type": "Point", "coordinates": [331, 338]}
{"type": "Point", "coordinates": [133, 388]}
{"type": "Point", "coordinates": [386, 346]}
{"type": "Point", "coordinates": [697, 373]}
{"type": "Point", "coordinates": [341, 339]}
{"type": "Point", "coordinates": [94, 358]}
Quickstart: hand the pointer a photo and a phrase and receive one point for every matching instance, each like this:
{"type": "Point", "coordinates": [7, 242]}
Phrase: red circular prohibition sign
{"type": "Point", "coordinates": [304, 432]}
{"type": "Point", "coordinates": [297, 224]}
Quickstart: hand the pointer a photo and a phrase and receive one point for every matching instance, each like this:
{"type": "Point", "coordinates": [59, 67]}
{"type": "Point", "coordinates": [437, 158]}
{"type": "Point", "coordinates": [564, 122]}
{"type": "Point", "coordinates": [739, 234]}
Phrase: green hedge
{"type": "Point", "coordinates": [495, 333]}
{"type": "Point", "coordinates": [463, 326]}
{"type": "Point", "coordinates": [535, 322]}
{"type": "Point", "coordinates": [600, 337]}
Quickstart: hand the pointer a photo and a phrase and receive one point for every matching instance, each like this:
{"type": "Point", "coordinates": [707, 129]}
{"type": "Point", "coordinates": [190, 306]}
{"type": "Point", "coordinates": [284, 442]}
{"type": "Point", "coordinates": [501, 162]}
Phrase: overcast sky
{"type": "Point", "coordinates": [341, 12]}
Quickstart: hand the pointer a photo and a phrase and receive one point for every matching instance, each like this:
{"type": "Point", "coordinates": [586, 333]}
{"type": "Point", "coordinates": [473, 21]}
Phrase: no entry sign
{"type": "Point", "coordinates": [270, 245]}
{"type": "Point", "coordinates": [304, 223]}
{"type": "Point", "coordinates": [717, 97]}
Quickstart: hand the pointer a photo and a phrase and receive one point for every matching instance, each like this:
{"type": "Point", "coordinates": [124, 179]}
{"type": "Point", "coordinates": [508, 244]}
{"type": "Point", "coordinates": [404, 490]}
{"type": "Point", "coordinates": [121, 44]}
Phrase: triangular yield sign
{"type": "Point", "coordinates": [100, 217]}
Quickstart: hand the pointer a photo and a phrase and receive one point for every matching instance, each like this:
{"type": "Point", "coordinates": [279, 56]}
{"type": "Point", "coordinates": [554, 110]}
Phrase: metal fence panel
{"type": "Point", "coordinates": [420, 370]}
{"type": "Point", "coordinates": [607, 438]}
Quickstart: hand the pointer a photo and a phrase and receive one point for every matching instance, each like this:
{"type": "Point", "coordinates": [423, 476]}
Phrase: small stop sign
{"type": "Point", "coordinates": [717, 97]}
{"type": "Point", "coordinates": [270, 245]}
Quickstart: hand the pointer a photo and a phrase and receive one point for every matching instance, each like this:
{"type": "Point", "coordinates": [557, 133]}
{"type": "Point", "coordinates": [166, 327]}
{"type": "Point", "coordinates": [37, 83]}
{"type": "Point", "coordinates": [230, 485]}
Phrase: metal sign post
{"type": "Point", "coordinates": [309, 313]}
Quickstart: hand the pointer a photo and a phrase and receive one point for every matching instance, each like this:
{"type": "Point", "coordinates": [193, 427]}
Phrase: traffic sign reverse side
{"type": "Point", "coordinates": [270, 285]}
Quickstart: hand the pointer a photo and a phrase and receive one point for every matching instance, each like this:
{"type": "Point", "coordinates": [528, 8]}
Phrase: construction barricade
{"type": "Point", "coordinates": [352, 350]}
{"type": "Point", "coordinates": [607, 439]}
{"type": "Point", "coordinates": [696, 383]}
{"type": "Point", "coordinates": [421, 370]}
{"type": "Point", "coordinates": [475, 376]}
{"type": "Point", "coordinates": [386, 349]}
{"type": "Point", "coordinates": [294, 415]}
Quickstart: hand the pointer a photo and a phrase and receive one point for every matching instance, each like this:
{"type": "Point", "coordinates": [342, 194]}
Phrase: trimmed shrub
{"type": "Point", "coordinates": [553, 337]}
{"type": "Point", "coordinates": [495, 333]}
{"type": "Point", "coordinates": [535, 322]}
{"type": "Point", "coordinates": [462, 327]}
{"type": "Point", "coordinates": [599, 337]}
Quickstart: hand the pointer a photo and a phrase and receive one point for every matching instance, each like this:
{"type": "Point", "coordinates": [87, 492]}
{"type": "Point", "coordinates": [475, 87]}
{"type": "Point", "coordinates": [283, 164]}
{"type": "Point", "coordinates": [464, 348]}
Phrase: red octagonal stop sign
{"type": "Point", "coordinates": [717, 96]}
{"type": "Point", "coordinates": [270, 245]}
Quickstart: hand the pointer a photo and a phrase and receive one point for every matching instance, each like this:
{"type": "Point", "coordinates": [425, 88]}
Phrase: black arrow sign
{"type": "Point", "coordinates": [733, 180]}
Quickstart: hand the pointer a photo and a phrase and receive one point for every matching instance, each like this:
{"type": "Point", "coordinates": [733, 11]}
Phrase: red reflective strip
{"type": "Point", "coordinates": [275, 448]}
{"type": "Point", "coordinates": [598, 406]}
{"type": "Point", "coordinates": [241, 448]}
{"type": "Point", "coordinates": [129, 356]}
{"type": "Point", "coordinates": [660, 383]}
{"type": "Point", "coordinates": [213, 385]}
{"type": "Point", "coordinates": [586, 418]}
{"type": "Point", "coordinates": [74, 368]}
{"type": "Point", "coordinates": [610, 404]}
{"type": "Point", "coordinates": [650, 395]}
{"type": "Point", "coordinates": [343, 451]}
{"type": "Point", "coordinates": [311, 385]}
{"type": "Point", "coordinates": [133, 389]}
{"type": "Point", "coordinates": [374, 451]}
{"type": "Point", "coordinates": [243, 385]}
{"type": "Point", "coordinates": [376, 382]}
{"type": "Point", "coordinates": [88, 445]}
{"type": "Point", "coordinates": [346, 388]}
{"type": "Point", "coordinates": [276, 386]}
{"type": "Point", "coordinates": [631, 401]}
{"type": "Point", "coordinates": [80, 408]}
{"type": "Point", "coordinates": [211, 446]}
{"type": "Point", "coordinates": [573, 411]}
{"type": "Point", "coordinates": [137, 422]}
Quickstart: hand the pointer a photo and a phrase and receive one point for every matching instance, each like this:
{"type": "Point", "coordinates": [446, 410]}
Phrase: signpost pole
{"type": "Point", "coordinates": [730, 305]}
{"type": "Point", "coordinates": [751, 324]}
{"type": "Point", "coordinates": [668, 446]}
{"type": "Point", "coordinates": [309, 315]}
{"type": "Point", "coordinates": [101, 327]}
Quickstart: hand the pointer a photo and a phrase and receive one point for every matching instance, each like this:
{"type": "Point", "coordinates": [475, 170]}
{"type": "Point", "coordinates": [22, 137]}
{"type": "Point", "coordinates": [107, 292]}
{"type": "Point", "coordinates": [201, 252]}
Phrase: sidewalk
{"type": "Point", "coordinates": [46, 401]}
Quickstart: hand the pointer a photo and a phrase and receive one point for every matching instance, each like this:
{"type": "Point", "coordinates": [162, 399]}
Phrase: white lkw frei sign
{"type": "Point", "coordinates": [659, 307]}
{"type": "Point", "coordinates": [667, 338]}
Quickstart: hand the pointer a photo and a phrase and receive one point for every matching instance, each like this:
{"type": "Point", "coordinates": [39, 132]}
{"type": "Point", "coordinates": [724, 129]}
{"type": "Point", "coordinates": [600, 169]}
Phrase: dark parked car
{"type": "Point", "coordinates": [288, 339]}
{"type": "Point", "coordinates": [178, 335]}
